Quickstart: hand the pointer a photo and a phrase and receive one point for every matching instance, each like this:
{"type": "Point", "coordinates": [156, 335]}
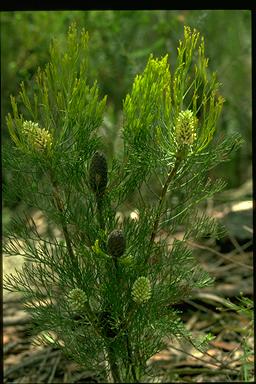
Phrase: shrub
{"type": "Point", "coordinates": [107, 287]}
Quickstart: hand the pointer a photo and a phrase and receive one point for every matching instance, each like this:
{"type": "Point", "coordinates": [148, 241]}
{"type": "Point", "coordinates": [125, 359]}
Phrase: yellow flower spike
{"type": "Point", "coordinates": [36, 138]}
{"type": "Point", "coordinates": [185, 128]}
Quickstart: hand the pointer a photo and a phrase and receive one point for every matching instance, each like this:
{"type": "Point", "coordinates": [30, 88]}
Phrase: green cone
{"type": "Point", "coordinates": [141, 290]}
{"type": "Point", "coordinates": [116, 243]}
{"type": "Point", "coordinates": [98, 173]}
{"type": "Point", "coordinates": [77, 299]}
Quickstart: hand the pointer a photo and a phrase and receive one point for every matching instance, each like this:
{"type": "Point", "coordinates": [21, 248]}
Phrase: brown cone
{"type": "Point", "coordinates": [116, 243]}
{"type": "Point", "coordinates": [98, 173]}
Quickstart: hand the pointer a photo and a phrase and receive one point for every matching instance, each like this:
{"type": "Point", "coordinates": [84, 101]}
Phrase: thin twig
{"type": "Point", "coordinates": [208, 354]}
{"type": "Point", "coordinates": [29, 361]}
{"type": "Point", "coordinates": [219, 254]}
{"type": "Point", "coordinates": [101, 220]}
{"type": "Point", "coordinates": [57, 360]}
{"type": "Point", "coordinates": [60, 206]}
{"type": "Point", "coordinates": [200, 359]}
{"type": "Point", "coordinates": [195, 357]}
{"type": "Point", "coordinates": [194, 371]}
{"type": "Point", "coordinates": [171, 174]}
{"type": "Point", "coordinates": [130, 359]}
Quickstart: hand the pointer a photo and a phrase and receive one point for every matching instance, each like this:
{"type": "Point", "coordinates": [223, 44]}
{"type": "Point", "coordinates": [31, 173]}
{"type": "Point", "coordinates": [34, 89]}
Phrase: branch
{"type": "Point", "coordinates": [170, 177]}
{"type": "Point", "coordinates": [99, 200]}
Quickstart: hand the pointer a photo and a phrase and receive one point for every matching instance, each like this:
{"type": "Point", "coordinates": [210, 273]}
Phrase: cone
{"type": "Point", "coordinates": [98, 173]}
{"type": "Point", "coordinates": [141, 290]}
{"type": "Point", "coordinates": [77, 299]}
{"type": "Point", "coordinates": [116, 243]}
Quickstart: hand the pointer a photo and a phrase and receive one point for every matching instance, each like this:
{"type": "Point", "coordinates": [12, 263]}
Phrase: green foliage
{"type": "Point", "coordinates": [152, 110]}
{"type": "Point", "coordinates": [117, 54]}
{"type": "Point", "coordinates": [105, 287]}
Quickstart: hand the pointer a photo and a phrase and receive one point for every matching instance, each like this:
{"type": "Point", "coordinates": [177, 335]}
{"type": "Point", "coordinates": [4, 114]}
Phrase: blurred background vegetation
{"type": "Point", "coordinates": [120, 44]}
